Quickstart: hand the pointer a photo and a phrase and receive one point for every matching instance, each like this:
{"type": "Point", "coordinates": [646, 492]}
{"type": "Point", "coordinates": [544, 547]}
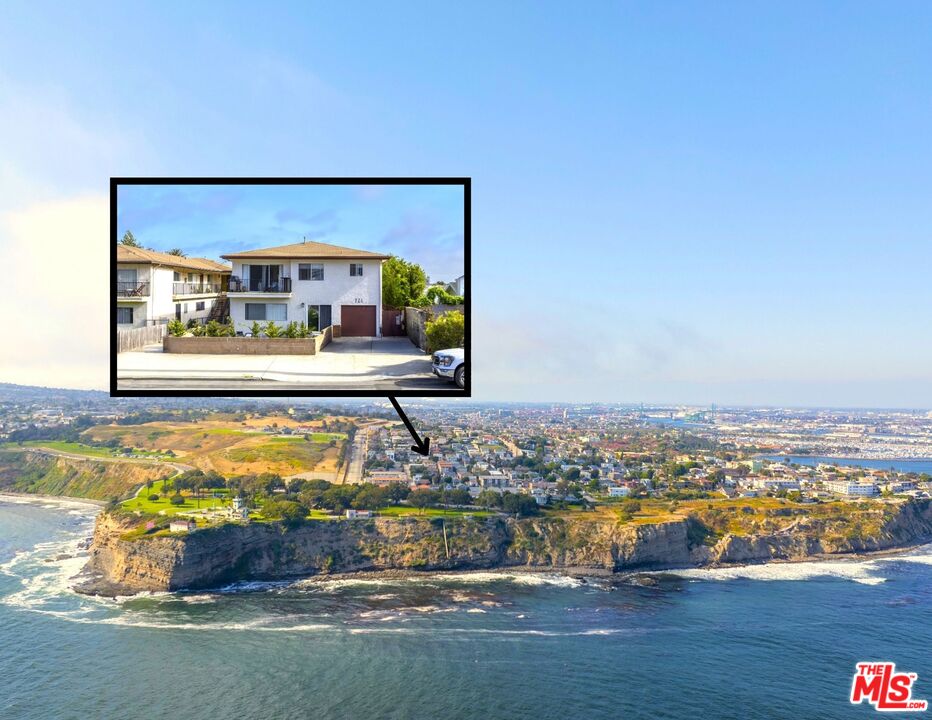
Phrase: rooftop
{"type": "Point", "coordinates": [307, 250]}
{"type": "Point", "coordinates": [129, 254]}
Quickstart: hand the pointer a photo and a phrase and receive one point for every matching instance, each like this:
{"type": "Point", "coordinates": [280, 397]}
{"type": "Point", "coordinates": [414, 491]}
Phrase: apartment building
{"type": "Point", "coordinates": [310, 282]}
{"type": "Point", "coordinates": [154, 287]}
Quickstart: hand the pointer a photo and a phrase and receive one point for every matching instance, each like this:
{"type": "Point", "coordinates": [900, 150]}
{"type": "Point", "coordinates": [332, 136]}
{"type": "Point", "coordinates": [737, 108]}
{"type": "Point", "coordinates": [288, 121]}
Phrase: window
{"type": "Point", "coordinates": [124, 316]}
{"type": "Point", "coordinates": [318, 317]}
{"type": "Point", "coordinates": [310, 271]}
{"type": "Point", "coordinates": [266, 311]}
{"type": "Point", "coordinates": [177, 276]}
{"type": "Point", "coordinates": [186, 307]}
{"type": "Point", "coordinates": [355, 269]}
{"type": "Point", "coordinates": [199, 305]}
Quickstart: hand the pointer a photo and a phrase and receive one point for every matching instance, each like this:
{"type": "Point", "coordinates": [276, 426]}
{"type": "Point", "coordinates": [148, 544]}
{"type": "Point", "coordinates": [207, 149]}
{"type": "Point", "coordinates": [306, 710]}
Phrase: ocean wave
{"type": "Point", "coordinates": [859, 571]}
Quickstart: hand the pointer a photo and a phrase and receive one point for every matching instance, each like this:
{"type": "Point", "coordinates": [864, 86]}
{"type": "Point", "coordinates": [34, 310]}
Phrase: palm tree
{"type": "Point", "coordinates": [176, 251]}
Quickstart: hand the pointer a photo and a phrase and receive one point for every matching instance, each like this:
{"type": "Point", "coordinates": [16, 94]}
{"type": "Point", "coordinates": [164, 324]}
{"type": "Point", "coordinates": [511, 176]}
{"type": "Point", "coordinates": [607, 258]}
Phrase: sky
{"type": "Point", "coordinates": [687, 202]}
{"type": "Point", "coordinates": [420, 223]}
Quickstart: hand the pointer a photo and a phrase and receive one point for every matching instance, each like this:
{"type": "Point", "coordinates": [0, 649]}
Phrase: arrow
{"type": "Point", "coordinates": [421, 447]}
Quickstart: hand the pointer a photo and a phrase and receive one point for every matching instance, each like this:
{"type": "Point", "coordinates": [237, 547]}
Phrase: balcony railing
{"type": "Point", "coordinates": [185, 288]}
{"type": "Point", "coordinates": [132, 289]}
{"type": "Point", "coordinates": [282, 285]}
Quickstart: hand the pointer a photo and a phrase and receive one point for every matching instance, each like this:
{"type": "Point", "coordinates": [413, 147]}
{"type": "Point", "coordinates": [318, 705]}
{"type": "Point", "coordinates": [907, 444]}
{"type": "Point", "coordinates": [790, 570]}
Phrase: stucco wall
{"type": "Point", "coordinates": [336, 289]}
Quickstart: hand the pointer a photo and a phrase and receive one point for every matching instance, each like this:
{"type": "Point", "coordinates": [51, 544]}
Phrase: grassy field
{"type": "Point", "coordinates": [142, 502]}
{"type": "Point", "coordinates": [75, 448]}
{"type": "Point", "coordinates": [233, 448]}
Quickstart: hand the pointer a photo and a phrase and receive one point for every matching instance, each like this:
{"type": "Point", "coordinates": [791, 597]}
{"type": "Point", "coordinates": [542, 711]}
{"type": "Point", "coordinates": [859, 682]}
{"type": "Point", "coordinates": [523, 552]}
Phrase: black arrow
{"type": "Point", "coordinates": [421, 447]}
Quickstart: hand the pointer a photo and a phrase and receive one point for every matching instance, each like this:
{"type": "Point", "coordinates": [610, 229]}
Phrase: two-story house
{"type": "Point", "coordinates": [154, 287]}
{"type": "Point", "coordinates": [310, 282]}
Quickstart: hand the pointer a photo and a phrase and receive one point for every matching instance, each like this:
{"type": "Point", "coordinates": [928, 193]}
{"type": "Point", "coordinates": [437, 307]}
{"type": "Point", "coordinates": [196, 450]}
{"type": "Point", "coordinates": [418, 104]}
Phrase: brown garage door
{"type": "Point", "coordinates": [357, 320]}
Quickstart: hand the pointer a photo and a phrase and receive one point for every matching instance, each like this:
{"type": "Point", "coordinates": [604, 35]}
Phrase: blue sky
{"type": "Point", "coordinates": [421, 223]}
{"type": "Point", "coordinates": [694, 202]}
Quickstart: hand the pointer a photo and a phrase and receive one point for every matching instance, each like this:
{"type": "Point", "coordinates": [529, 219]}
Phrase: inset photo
{"type": "Point", "coordinates": [259, 286]}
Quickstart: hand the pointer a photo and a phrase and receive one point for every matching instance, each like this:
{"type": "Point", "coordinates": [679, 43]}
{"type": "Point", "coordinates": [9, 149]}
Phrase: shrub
{"type": "Point", "coordinates": [291, 331]}
{"type": "Point", "coordinates": [447, 331]}
{"type": "Point", "coordinates": [272, 330]}
{"type": "Point", "coordinates": [214, 329]}
{"type": "Point", "coordinates": [153, 497]}
{"type": "Point", "coordinates": [303, 330]}
{"type": "Point", "coordinates": [176, 328]}
{"type": "Point", "coordinates": [256, 329]}
{"type": "Point", "coordinates": [192, 323]}
{"type": "Point", "coordinates": [176, 499]}
{"type": "Point", "coordinates": [198, 331]}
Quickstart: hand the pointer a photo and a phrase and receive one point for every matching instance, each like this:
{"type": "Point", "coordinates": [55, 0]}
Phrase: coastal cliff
{"type": "Point", "coordinates": [123, 562]}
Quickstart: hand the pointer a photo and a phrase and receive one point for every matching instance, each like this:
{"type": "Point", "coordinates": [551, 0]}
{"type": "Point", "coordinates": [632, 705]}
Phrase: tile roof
{"type": "Point", "coordinates": [309, 250]}
{"type": "Point", "coordinates": [129, 254]}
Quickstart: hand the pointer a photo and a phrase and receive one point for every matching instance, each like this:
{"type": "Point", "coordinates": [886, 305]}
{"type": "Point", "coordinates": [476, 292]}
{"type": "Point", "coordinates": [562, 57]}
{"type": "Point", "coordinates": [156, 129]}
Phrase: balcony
{"type": "Point", "coordinates": [282, 286]}
{"type": "Point", "coordinates": [186, 288]}
{"type": "Point", "coordinates": [132, 290]}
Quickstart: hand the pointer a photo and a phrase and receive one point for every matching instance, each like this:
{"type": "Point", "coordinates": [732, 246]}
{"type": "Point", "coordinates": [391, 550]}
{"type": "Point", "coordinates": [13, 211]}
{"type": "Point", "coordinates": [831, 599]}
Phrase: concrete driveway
{"type": "Point", "coordinates": [377, 364]}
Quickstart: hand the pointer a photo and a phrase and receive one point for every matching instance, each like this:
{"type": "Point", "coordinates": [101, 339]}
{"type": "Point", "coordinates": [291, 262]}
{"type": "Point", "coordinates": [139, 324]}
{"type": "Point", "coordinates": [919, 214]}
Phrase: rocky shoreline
{"type": "Point", "coordinates": [210, 558]}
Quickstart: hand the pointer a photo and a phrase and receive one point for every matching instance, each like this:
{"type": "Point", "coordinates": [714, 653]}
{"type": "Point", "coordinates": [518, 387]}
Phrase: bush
{"type": "Point", "coordinates": [291, 331]}
{"type": "Point", "coordinates": [153, 497]}
{"type": "Point", "coordinates": [192, 323]}
{"type": "Point", "coordinates": [303, 330]}
{"type": "Point", "coordinates": [198, 331]}
{"type": "Point", "coordinates": [176, 328]}
{"type": "Point", "coordinates": [447, 331]}
{"type": "Point", "coordinates": [176, 499]}
{"type": "Point", "coordinates": [272, 330]}
{"type": "Point", "coordinates": [256, 329]}
{"type": "Point", "coordinates": [214, 329]}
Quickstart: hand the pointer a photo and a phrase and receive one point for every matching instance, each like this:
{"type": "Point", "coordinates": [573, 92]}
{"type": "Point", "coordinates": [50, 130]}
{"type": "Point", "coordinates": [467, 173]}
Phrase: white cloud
{"type": "Point", "coordinates": [54, 293]}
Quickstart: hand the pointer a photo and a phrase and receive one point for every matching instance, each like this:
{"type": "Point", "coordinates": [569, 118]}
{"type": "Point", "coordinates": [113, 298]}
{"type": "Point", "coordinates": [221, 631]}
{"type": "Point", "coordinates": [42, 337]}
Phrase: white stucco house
{"type": "Point", "coordinates": [154, 287]}
{"type": "Point", "coordinates": [310, 282]}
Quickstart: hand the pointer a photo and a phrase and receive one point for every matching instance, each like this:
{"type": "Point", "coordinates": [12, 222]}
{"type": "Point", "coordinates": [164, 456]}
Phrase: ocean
{"type": "Point", "coordinates": [904, 465]}
{"type": "Point", "coordinates": [768, 641]}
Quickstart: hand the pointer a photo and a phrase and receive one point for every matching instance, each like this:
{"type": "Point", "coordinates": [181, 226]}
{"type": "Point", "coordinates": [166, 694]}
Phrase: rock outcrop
{"type": "Point", "coordinates": [123, 562]}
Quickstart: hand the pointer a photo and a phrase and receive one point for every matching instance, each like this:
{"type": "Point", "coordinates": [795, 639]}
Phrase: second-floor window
{"type": "Point", "coordinates": [355, 269]}
{"type": "Point", "coordinates": [177, 276]}
{"type": "Point", "coordinates": [124, 316]}
{"type": "Point", "coordinates": [310, 271]}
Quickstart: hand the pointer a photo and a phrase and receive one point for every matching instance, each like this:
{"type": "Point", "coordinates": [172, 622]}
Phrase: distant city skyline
{"type": "Point", "coordinates": [686, 203]}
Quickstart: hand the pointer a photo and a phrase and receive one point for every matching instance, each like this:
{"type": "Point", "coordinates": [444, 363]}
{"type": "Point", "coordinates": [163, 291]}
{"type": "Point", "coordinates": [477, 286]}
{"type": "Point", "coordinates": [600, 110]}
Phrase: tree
{"type": "Point", "coordinates": [288, 511]}
{"type": "Point", "coordinates": [369, 497]}
{"type": "Point", "coordinates": [423, 498]}
{"type": "Point", "coordinates": [177, 252]}
{"type": "Point", "coordinates": [489, 499]}
{"type": "Point", "coordinates": [521, 505]}
{"type": "Point", "coordinates": [402, 282]}
{"type": "Point", "coordinates": [129, 240]}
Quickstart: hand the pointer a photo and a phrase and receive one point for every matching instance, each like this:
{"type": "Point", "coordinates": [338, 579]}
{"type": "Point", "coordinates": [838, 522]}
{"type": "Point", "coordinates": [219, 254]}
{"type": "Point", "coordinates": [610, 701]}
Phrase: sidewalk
{"type": "Point", "coordinates": [353, 363]}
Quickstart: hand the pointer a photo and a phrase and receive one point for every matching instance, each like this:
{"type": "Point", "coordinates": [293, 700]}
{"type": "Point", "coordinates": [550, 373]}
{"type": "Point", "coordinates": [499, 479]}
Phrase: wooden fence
{"type": "Point", "coordinates": [135, 338]}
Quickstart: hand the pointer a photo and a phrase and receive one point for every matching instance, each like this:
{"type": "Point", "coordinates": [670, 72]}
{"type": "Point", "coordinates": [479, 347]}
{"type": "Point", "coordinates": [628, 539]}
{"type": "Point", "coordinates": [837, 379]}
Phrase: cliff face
{"type": "Point", "coordinates": [31, 470]}
{"type": "Point", "coordinates": [269, 551]}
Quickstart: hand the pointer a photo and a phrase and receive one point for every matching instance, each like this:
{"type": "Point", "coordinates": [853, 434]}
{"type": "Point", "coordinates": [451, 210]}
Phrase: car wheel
{"type": "Point", "coordinates": [459, 377]}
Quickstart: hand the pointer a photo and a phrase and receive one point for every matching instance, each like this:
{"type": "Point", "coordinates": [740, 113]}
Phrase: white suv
{"type": "Point", "coordinates": [450, 364]}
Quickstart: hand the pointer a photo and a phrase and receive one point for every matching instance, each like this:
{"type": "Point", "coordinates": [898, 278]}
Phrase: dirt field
{"type": "Point", "coordinates": [233, 448]}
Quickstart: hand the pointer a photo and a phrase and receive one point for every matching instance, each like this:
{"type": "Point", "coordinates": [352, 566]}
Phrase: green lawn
{"type": "Point", "coordinates": [141, 502]}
